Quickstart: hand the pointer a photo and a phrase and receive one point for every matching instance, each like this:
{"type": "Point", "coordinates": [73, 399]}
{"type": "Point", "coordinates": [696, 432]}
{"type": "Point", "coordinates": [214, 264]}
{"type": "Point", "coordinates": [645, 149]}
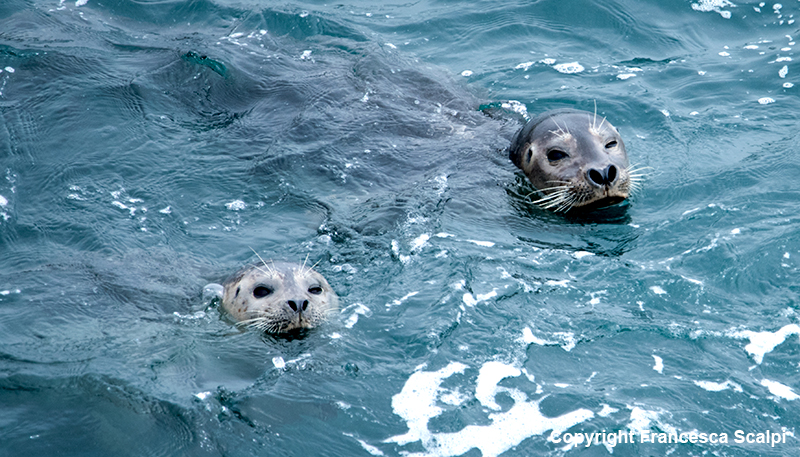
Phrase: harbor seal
{"type": "Point", "coordinates": [574, 160]}
{"type": "Point", "coordinates": [278, 297]}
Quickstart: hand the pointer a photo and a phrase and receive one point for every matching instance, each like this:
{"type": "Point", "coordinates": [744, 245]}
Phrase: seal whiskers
{"type": "Point", "coordinates": [263, 324]}
{"type": "Point", "coordinates": [263, 262]}
{"type": "Point", "coordinates": [635, 177]}
{"type": "Point", "coordinates": [561, 199]}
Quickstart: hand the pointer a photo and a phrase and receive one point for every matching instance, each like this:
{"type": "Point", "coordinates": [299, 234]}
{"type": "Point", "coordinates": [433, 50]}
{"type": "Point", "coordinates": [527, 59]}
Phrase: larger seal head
{"type": "Point", "coordinates": [574, 159]}
{"type": "Point", "coordinates": [278, 297]}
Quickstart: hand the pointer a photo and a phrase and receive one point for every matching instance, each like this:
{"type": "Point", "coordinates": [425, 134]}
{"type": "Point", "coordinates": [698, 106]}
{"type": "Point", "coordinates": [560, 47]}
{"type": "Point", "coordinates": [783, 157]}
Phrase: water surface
{"type": "Point", "coordinates": [147, 146]}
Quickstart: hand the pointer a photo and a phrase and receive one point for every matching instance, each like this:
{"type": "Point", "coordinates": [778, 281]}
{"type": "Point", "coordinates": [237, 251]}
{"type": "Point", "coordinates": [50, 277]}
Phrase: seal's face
{"type": "Point", "coordinates": [278, 297]}
{"type": "Point", "coordinates": [574, 160]}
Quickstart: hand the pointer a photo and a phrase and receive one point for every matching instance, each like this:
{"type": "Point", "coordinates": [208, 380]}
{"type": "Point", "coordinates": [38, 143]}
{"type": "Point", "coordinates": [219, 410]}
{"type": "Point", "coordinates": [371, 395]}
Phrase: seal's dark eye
{"type": "Point", "coordinates": [556, 155]}
{"type": "Point", "coordinates": [316, 290]}
{"type": "Point", "coordinates": [611, 144]}
{"type": "Point", "coordinates": [261, 291]}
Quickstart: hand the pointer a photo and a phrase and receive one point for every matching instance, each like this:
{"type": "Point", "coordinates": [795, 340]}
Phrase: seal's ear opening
{"type": "Point", "coordinates": [514, 155]}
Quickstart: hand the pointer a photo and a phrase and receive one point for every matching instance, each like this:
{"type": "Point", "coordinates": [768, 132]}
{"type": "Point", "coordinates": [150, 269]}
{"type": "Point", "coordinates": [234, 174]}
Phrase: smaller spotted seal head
{"type": "Point", "coordinates": [574, 160]}
{"type": "Point", "coordinates": [278, 297]}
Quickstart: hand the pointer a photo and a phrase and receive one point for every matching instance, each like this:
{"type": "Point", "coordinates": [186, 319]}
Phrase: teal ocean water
{"type": "Point", "coordinates": [147, 147]}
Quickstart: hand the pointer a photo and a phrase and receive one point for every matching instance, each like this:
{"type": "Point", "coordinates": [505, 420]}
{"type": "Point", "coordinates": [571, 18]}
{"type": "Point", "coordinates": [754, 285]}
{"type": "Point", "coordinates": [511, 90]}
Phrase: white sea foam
{"type": "Point", "coordinates": [236, 205]}
{"type": "Point", "coordinates": [693, 281]}
{"type": "Point", "coordinates": [658, 290]}
{"type": "Point", "coordinates": [566, 340]}
{"type": "Point", "coordinates": [419, 242]}
{"type": "Point", "coordinates": [416, 404]}
{"type": "Point", "coordinates": [529, 338]}
{"type": "Point", "coordinates": [202, 395]}
{"type": "Point", "coordinates": [659, 365]}
{"type": "Point", "coordinates": [641, 420]}
{"type": "Point", "coordinates": [486, 244]}
{"type": "Point", "coordinates": [401, 300]}
{"type": "Point", "coordinates": [471, 300]}
{"type": "Point", "coordinates": [718, 386]}
{"type": "Point", "coordinates": [490, 374]}
{"type": "Point", "coordinates": [715, 6]}
{"type": "Point", "coordinates": [131, 209]}
{"type": "Point", "coordinates": [370, 448]}
{"type": "Point", "coordinates": [441, 184]}
{"type": "Point", "coordinates": [357, 309]}
{"type": "Point", "coordinates": [595, 300]}
{"type": "Point", "coordinates": [569, 68]}
{"type": "Point", "coordinates": [607, 411]}
{"type": "Point", "coordinates": [516, 107]}
{"type": "Point", "coordinates": [780, 390]}
{"type": "Point", "coordinates": [762, 343]}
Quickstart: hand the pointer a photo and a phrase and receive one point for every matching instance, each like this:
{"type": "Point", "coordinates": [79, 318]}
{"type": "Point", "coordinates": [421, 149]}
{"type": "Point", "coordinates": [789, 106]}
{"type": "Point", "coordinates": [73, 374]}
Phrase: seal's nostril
{"type": "Point", "coordinates": [305, 304]}
{"type": "Point", "coordinates": [293, 305]}
{"type": "Point", "coordinates": [604, 178]}
{"type": "Point", "coordinates": [596, 177]}
{"type": "Point", "coordinates": [611, 174]}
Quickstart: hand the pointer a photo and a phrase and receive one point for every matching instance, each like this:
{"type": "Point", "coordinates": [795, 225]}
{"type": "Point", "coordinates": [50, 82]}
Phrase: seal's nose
{"type": "Point", "coordinates": [602, 178]}
{"type": "Point", "coordinates": [298, 306]}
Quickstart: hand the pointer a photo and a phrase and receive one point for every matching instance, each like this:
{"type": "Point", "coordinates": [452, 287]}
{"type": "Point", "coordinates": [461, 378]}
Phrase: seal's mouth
{"type": "Point", "coordinates": [289, 335]}
{"type": "Point", "coordinates": [602, 203]}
